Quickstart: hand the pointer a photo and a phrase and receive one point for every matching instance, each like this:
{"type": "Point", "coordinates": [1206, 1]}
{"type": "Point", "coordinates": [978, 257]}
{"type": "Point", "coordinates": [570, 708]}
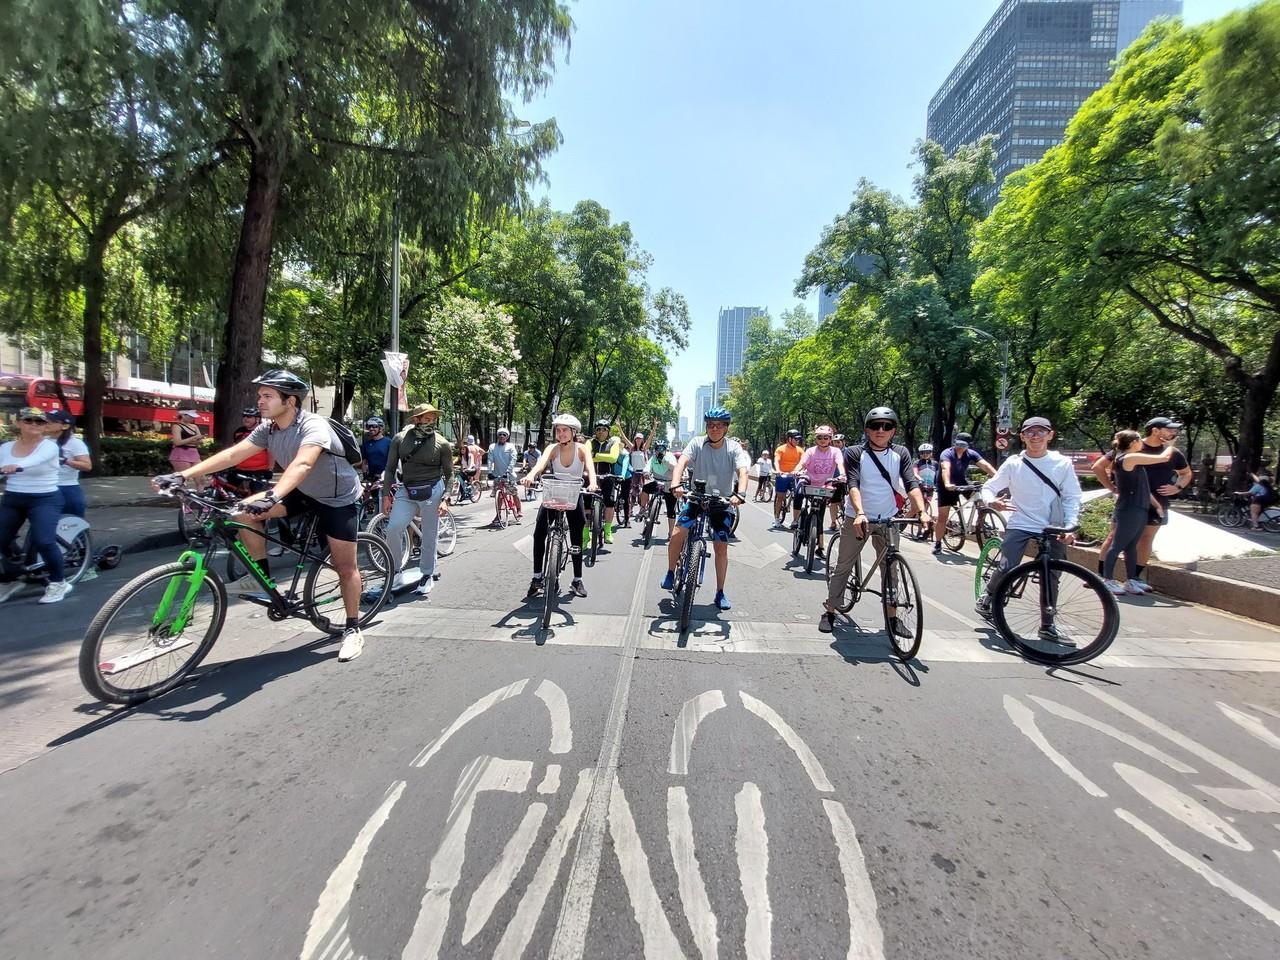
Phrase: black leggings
{"type": "Point", "coordinates": [577, 523]}
{"type": "Point", "coordinates": [1130, 522]}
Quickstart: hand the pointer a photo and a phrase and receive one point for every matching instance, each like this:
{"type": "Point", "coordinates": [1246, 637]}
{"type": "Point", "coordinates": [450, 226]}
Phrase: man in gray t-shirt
{"type": "Point", "coordinates": [332, 480]}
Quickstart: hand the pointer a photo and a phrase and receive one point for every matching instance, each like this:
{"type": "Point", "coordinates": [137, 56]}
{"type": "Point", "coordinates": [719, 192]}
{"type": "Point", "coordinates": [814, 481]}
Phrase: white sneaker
{"type": "Point", "coordinates": [1133, 586]}
{"type": "Point", "coordinates": [423, 589]}
{"type": "Point", "coordinates": [55, 592]}
{"type": "Point", "coordinates": [397, 581]}
{"type": "Point", "coordinates": [1116, 587]}
{"type": "Point", "coordinates": [352, 644]}
{"type": "Point", "coordinates": [1141, 584]}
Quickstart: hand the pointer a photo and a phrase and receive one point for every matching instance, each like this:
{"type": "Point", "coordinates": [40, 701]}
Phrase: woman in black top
{"type": "Point", "coordinates": [1133, 501]}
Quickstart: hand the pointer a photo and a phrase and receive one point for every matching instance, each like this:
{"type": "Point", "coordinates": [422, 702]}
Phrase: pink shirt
{"type": "Point", "coordinates": [821, 465]}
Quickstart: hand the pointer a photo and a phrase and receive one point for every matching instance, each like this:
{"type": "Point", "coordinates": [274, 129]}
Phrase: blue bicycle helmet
{"type": "Point", "coordinates": [718, 413]}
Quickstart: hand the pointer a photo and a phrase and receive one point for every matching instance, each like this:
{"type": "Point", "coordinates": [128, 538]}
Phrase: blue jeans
{"type": "Point", "coordinates": [402, 512]}
{"type": "Point", "coordinates": [42, 511]}
{"type": "Point", "coordinates": [72, 500]}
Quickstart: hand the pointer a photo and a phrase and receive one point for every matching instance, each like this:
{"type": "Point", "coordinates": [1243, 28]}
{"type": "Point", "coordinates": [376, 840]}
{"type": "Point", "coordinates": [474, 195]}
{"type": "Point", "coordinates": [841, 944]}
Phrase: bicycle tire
{"type": "Point", "coordinates": [849, 593]}
{"type": "Point", "coordinates": [992, 524]}
{"type": "Point", "coordinates": [690, 588]}
{"type": "Point", "coordinates": [905, 592]}
{"type": "Point", "coordinates": [797, 535]}
{"type": "Point", "coordinates": [188, 522]}
{"type": "Point", "coordinates": [737, 516]}
{"type": "Point", "coordinates": [446, 535]}
{"type": "Point", "coordinates": [953, 535]}
{"type": "Point", "coordinates": [91, 657]}
{"type": "Point", "coordinates": [651, 518]}
{"type": "Point", "coordinates": [988, 559]}
{"type": "Point", "coordinates": [319, 600]}
{"type": "Point", "coordinates": [377, 525]}
{"type": "Point", "coordinates": [597, 529]}
{"type": "Point", "coordinates": [815, 524]}
{"type": "Point", "coordinates": [473, 491]}
{"type": "Point", "coordinates": [77, 557]}
{"type": "Point", "coordinates": [1269, 521]}
{"type": "Point", "coordinates": [551, 577]}
{"type": "Point", "coordinates": [1014, 585]}
{"type": "Point", "coordinates": [1230, 515]}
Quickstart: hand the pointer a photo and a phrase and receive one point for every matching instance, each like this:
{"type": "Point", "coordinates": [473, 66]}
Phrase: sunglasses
{"type": "Point", "coordinates": [882, 425]}
{"type": "Point", "coordinates": [1035, 432]}
{"type": "Point", "coordinates": [717, 423]}
{"type": "Point", "coordinates": [821, 438]}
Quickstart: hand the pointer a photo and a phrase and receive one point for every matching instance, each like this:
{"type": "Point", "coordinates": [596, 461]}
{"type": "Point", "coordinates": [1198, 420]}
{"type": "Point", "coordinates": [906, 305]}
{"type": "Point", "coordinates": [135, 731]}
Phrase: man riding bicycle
{"type": "Point", "coordinates": [953, 471]}
{"type": "Point", "coordinates": [502, 457]}
{"type": "Point", "coordinates": [317, 478]}
{"type": "Point", "coordinates": [608, 457]}
{"type": "Point", "coordinates": [721, 464]}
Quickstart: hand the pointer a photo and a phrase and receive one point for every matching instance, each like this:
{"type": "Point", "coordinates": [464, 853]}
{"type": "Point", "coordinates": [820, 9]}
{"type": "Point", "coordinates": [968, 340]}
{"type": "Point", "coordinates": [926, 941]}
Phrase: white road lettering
{"type": "Point", "coordinates": [558, 707]}
{"type": "Point", "coordinates": [866, 938]}
{"type": "Point", "coordinates": [655, 931]}
{"type": "Point", "coordinates": [753, 870]}
{"type": "Point", "coordinates": [812, 767]}
{"type": "Point", "coordinates": [494, 886]}
{"type": "Point", "coordinates": [1182, 807]}
{"type": "Point", "coordinates": [551, 782]}
{"type": "Point", "coordinates": [1024, 719]}
{"type": "Point", "coordinates": [473, 711]}
{"type": "Point", "coordinates": [1246, 800]}
{"type": "Point", "coordinates": [1066, 713]}
{"type": "Point", "coordinates": [694, 711]}
{"type": "Point", "coordinates": [1250, 724]}
{"type": "Point", "coordinates": [693, 890]}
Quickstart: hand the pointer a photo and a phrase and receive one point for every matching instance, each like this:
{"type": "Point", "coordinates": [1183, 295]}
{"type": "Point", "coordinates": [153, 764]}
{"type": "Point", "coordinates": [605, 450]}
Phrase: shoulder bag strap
{"type": "Point", "coordinates": [1036, 471]}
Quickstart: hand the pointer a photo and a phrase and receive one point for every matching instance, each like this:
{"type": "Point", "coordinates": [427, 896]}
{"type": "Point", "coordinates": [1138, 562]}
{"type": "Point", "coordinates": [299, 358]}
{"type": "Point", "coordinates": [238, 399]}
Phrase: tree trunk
{"type": "Point", "coordinates": [242, 343]}
{"type": "Point", "coordinates": [941, 422]}
{"type": "Point", "coordinates": [95, 381]}
{"type": "Point", "coordinates": [1253, 414]}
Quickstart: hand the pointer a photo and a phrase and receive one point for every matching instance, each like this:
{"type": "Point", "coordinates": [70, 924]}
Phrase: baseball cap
{"type": "Point", "coordinates": [1036, 422]}
{"type": "Point", "coordinates": [60, 416]}
{"type": "Point", "coordinates": [1162, 423]}
{"type": "Point", "coordinates": [32, 413]}
{"type": "Point", "coordinates": [963, 440]}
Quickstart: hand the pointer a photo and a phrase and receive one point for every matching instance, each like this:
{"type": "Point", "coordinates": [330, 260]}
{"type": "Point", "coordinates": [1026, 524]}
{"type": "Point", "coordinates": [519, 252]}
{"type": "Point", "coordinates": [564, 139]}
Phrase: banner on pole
{"type": "Point", "coordinates": [396, 368]}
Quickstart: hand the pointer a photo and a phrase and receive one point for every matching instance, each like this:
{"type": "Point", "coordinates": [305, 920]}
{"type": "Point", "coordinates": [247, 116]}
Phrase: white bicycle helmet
{"type": "Point", "coordinates": [567, 420]}
{"type": "Point", "coordinates": [926, 448]}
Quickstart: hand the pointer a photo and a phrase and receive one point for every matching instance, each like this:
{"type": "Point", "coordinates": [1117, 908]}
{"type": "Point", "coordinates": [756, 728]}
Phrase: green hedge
{"type": "Point", "coordinates": [1095, 518]}
{"type": "Point", "coordinates": [140, 456]}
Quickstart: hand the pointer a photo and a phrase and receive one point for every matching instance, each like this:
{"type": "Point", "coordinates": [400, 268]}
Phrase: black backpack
{"type": "Point", "coordinates": [350, 446]}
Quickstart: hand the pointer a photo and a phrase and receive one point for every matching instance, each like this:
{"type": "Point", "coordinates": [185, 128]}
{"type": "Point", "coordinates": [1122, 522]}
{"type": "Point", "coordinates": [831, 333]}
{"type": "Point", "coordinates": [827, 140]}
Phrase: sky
{"type": "Point", "coordinates": [729, 132]}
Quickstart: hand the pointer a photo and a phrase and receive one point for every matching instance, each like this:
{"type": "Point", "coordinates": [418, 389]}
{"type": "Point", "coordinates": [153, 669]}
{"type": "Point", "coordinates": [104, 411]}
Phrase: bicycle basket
{"type": "Point", "coordinates": [560, 494]}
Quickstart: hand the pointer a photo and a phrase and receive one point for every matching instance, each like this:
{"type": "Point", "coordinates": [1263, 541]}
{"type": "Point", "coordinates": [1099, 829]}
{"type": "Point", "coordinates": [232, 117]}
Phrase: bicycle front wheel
{"type": "Point", "coordinates": [693, 565]}
{"type": "Point", "coordinates": [322, 591]}
{"type": "Point", "coordinates": [446, 536]}
{"type": "Point", "coordinates": [1071, 619]}
{"type": "Point", "coordinates": [953, 535]}
{"type": "Point", "coordinates": [815, 525]}
{"type": "Point", "coordinates": [902, 596]}
{"type": "Point", "coordinates": [552, 560]}
{"type": "Point", "coordinates": [597, 530]}
{"type": "Point", "coordinates": [651, 518]}
{"type": "Point", "coordinates": [152, 633]}
{"type": "Point", "coordinates": [992, 524]}
{"type": "Point", "coordinates": [1230, 515]}
{"type": "Point", "coordinates": [988, 562]}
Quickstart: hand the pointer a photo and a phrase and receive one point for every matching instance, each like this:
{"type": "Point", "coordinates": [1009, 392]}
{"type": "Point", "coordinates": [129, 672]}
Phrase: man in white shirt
{"type": "Point", "coordinates": [1043, 492]}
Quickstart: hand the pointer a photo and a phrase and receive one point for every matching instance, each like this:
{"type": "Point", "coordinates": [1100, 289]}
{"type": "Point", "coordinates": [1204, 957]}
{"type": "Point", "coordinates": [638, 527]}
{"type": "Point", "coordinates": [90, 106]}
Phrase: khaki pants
{"type": "Point", "coordinates": [850, 550]}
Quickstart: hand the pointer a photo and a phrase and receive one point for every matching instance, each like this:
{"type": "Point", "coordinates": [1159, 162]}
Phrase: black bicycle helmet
{"type": "Point", "coordinates": [794, 434]}
{"type": "Point", "coordinates": [287, 383]}
{"type": "Point", "coordinates": [603, 425]}
{"type": "Point", "coordinates": [249, 412]}
{"type": "Point", "coordinates": [880, 413]}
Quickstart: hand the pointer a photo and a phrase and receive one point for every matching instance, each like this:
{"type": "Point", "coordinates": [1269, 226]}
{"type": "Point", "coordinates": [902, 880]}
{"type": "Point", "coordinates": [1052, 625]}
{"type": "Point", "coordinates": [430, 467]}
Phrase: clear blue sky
{"type": "Point", "coordinates": [728, 132]}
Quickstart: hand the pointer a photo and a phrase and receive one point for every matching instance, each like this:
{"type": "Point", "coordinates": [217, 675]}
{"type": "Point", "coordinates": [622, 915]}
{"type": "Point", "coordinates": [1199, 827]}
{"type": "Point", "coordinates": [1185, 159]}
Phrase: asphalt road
{"type": "Point", "coordinates": [465, 790]}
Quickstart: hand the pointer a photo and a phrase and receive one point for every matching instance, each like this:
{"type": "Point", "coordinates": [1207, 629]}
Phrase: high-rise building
{"type": "Point", "coordinates": [1027, 73]}
{"type": "Point", "coordinates": [683, 434]}
{"type": "Point", "coordinates": [731, 341]}
{"type": "Point", "coordinates": [827, 302]}
{"type": "Point", "coordinates": [703, 399]}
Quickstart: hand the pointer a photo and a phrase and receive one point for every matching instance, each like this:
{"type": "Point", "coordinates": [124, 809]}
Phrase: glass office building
{"type": "Point", "coordinates": [1029, 70]}
{"type": "Point", "coordinates": [731, 341]}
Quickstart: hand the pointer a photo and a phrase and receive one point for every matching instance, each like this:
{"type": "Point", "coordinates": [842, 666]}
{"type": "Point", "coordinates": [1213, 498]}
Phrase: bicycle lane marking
{"type": "Point", "coordinates": [570, 937]}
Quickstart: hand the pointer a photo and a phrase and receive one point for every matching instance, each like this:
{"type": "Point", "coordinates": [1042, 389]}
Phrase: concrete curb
{"type": "Point", "coordinates": [1243, 599]}
{"type": "Point", "coordinates": [155, 541]}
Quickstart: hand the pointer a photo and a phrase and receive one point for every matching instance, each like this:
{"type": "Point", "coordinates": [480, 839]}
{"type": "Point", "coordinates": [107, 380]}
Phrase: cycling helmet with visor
{"type": "Point", "coordinates": [880, 415]}
{"type": "Point", "coordinates": [283, 382]}
{"type": "Point", "coordinates": [717, 413]}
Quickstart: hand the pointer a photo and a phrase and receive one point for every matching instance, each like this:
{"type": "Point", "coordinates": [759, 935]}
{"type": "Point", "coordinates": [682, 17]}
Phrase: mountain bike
{"type": "Point", "coordinates": [764, 489]}
{"type": "Point", "coordinates": [160, 625]}
{"type": "Point", "coordinates": [899, 591]}
{"type": "Point", "coordinates": [1054, 611]}
{"type": "Point", "coordinates": [981, 522]}
{"type": "Point", "coordinates": [693, 558]}
{"type": "Point", "coordinates": [558, 496]}
{"type": "Point", "coordinates": [813, 511]}
{"type": "Point", "coordinates": [462, 490]}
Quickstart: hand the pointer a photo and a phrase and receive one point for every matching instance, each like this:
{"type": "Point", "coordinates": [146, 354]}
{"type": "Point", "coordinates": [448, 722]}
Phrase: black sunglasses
{"type": "Point", "coordinates": [882, 425]}
{"type": "Point", "coordinates": [33, 420]}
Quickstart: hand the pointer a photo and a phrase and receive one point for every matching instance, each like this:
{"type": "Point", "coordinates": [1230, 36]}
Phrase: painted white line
{"type": "Point", "coordinates": [1229, 767]}
{"type": "Point", "coordinates": [551, 782]}
{"type": "Point", "coordinates": [693, 891]}
{"type": "Point", "coordinates": [1267, 710]}
{"type": "Point", "coordinates": [958, 617]}
{"type": "Point", "coordinates": [331, 909]}
{"type": "Point", "coordinates": [753, 870]}
{"type": "Point", "coordinates": [1024, 719]}
{"type": "Point", "coordinates": [483, 774]}
{"type": "Point", "coordinates": [516, 937]}
{"type": "Point", "coordinates": [1178, 805]}
{"type": "Point", "coordinates": [570, 937]}
{"type": "Point", "coordinates": [558, 706]}
{"type": "Point", "coordinates": [1193, 862]}
{"type": "Point", "coordinates": [812, 767]}
{"type": "Point", "coordinates": [866, 938]}
{"type": "Point", "coordinates": [473, 711]}
{"type": "Point", "coordinates": [494, 886]}
{"type": "Point", "coordinates": [1245, 800]}
{"type": "Point", "coordinates": [1066, 713]}
{"type": "Point", "coordinates": [655, 931]}
{"type": "Point", "coordinates": [693, 712]}
{"type": "Point", "coordinates": [1250, 724]}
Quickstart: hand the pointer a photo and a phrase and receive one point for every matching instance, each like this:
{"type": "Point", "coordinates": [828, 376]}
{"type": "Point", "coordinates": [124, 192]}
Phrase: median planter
{"type": "Point", "coordinates": [144, 456]}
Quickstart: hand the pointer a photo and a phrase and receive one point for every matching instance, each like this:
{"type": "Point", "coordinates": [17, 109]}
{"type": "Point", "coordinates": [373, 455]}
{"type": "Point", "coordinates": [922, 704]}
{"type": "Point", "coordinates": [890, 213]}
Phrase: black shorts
{"type": "Point", "coordinates": [608, 488]}
{"type": "Point", "coordinates": [1154, 519]}
{"type": "Point", "coordinates": [337, 523]}
{"type": "Point", "coordinates": [947, 497]}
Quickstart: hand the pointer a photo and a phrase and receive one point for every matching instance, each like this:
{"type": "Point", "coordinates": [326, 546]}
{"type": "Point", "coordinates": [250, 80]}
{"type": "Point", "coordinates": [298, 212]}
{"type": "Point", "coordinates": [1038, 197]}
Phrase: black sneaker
{"type": "Point", "coordinates": [900, 629]}
{"type": "Point", "coordinates": [1049, 633]}
{"type": "Point", "coordinates": [827, 622]}
{"type": "Point", "coordinates": [535, 588]}
{"type": "Point", "coordinates": [579, 588]}
{"type": "Point", "coordinates": [937, 546]}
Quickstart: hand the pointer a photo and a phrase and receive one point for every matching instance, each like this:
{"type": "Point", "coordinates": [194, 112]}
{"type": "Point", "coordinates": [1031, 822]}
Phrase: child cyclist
{"type": "Point", "coordinates": [566, 459]}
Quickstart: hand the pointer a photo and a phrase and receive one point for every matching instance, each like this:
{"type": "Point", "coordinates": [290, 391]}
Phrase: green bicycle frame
{"type": "Point", "coordinates": [193, 580]}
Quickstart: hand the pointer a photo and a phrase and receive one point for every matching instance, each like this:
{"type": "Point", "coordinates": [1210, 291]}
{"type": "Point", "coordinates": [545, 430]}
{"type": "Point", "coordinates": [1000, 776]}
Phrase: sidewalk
{"type": "Point", "coordinates": [125, 511]}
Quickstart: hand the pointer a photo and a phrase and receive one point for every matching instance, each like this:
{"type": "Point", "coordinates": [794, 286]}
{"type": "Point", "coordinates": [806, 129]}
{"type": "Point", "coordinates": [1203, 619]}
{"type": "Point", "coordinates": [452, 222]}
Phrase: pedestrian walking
{"type": "Point", "coordinates": [1134, 503]}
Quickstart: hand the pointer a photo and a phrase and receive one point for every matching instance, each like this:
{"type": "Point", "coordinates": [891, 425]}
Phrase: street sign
{"type": "Point", "coordinates": [1002, 443]}
{"type": "Point", "coordinates": [1003, 430]}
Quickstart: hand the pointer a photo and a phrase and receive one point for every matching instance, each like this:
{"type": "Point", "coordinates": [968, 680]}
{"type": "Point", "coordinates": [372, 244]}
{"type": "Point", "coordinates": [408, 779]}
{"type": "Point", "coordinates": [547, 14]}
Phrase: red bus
{"type": "Point", "coordinates": [123, 410]}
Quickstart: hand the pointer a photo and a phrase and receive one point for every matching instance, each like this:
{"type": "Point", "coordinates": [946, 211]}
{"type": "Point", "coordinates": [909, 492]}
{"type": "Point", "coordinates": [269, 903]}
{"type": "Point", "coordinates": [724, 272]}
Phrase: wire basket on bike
{"type": "Point", "coordinates": [560, 494]}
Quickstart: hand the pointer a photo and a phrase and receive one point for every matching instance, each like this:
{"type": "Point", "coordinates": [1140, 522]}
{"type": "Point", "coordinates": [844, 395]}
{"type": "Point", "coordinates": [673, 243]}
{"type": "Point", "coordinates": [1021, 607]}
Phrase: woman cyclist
{"type": "Point", "coordinates": [30, 464]}
{"type": "Point", "coordinates": [821, 465]}
{"type": "Point", "coordinates": [566, 459]}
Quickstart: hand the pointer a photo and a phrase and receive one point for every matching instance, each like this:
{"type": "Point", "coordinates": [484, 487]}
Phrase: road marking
{"type": "Point", "coordinates": [753, 871]}
{"type": "Point", "coordinates": [504, 872]}
{"type": "Point", "coordinates": [1244, 800]}
{"type": "Point", "coordinates": [1178, 805]}
{"type": "Point", "coordinates": [1194, 863]}
{"type": "Point", "coordinates": [516, 937]}
{"type": "Point", "coordinates": [655, 931]}
{"type": "Point", "coordinates": [1229, 767]}
{"type": "Point", "coordinates": [866, 938]}
{"type": "Point", "coordinates": [328, 925]}
{"type": "Point", "coordinates": [1024, 719]}
{"type": "Point", "coordinates": [558, 706]}
{"type": "Point", "coordinates": [957, 616]}
{"type": "Point", "coordinates": [817, 776]}
{"type": "Point", "coordinates": [473, 711]}
{"type": "Point", "coordinates": [1066, 713]}
{"type": "Point", "coordinates": [693, 890]}
{"type": "Point", "coordinates": [482, 774]}
{"type": "Point", "coordinates": [1250, 724]}
{"type": "Point", "coordinates": [694, 711]}
{"type": "Point", "coordinates": [1267, 710]}
{"type": "Point", "coordinates": [551, 782]}
{"type": "Point", "coordinates": [570, 936]}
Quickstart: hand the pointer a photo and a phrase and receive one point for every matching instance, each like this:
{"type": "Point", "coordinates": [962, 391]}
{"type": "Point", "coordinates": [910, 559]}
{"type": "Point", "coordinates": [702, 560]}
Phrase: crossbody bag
{"type": "Point", "coordinates": [898, 498]}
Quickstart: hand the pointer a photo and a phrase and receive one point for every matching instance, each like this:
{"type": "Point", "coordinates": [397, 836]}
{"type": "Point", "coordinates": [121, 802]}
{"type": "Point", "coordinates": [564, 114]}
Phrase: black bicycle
{"type": "Point", "coordinates": [558, 497]}
{"type": "Point", "coordinates": [813, 511]}
{"type": "Point", "coordinates": [160, 625]}
{"type": "Point", "coordinates": [1053, 611]}
{"type": "Point", "coordinates": [594, 505]}
{"type": "Point", "coordinates": [693, 558]}
{"type": "Point", "coordinates": [899, 592]}
{"type": "Point", "coordinates": [657, 500]}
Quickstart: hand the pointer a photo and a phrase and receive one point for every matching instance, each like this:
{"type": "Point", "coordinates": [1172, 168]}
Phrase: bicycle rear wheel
{"type": "Point", "coordinates": [1084, 617]}
{"type": "Point", "coordinates": [953, 535]}
{"type": "Point", "coordinates": [322, 591]}
{"type": "Point", "coordinates": [1270, 521]}
{"type": "Point", "coordinates": [377, 525]}
{"type": "Point", "coordinates": [988, 561]}
{"type": "Point", "coordinates": [152, 633]}
{"type": "Point", "coordinates": [902, 593]}
{"type": "Point", "coordinates": [76, 556]}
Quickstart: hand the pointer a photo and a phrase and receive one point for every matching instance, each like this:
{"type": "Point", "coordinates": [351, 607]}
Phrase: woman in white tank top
{"type": "Point", "coordinates": [552, 462]}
